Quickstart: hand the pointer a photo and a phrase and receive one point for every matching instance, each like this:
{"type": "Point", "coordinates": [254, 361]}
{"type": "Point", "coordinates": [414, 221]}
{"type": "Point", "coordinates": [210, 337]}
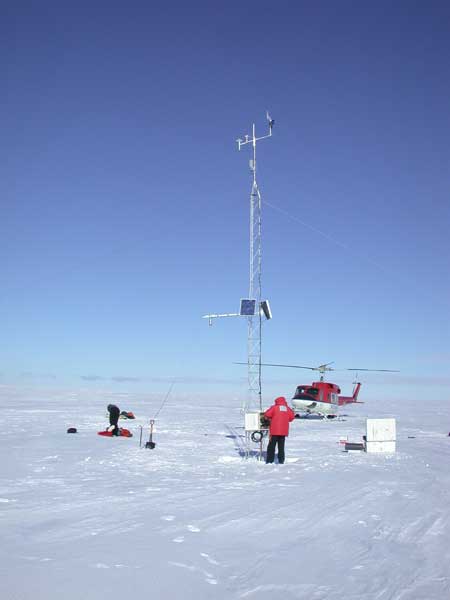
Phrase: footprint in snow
{"type": "Point", "coordinates": [209, 578]}
{"type": "Point", "coordinates": [179, 539]}
{"type": "Point", "coordinates": [209, 559]}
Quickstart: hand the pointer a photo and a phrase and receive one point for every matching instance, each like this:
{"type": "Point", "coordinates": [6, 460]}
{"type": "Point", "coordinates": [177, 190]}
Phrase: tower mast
{"type": "Point", "coordinates": [254, 322]}
{"type": "Point", "coordinates": [253, 308]}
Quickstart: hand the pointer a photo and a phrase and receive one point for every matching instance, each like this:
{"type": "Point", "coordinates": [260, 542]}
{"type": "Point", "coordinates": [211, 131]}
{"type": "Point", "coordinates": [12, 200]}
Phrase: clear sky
{"type": "Point", "coordinates": [125, 202]}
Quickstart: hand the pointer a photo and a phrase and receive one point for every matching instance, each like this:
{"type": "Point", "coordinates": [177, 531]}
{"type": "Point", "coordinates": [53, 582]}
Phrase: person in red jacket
{"type": "Point", "coordinates": [280, 415]}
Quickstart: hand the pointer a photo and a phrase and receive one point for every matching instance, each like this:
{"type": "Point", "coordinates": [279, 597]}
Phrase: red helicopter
{"type": "Point", "coordinates": [322, 398]}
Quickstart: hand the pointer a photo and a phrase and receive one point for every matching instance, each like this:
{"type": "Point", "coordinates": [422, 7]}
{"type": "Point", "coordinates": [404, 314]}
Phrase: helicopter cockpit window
{"type": "Point", "coordinates": [308, 391]}
{"type": "Point", "coordinates": [312, 391]}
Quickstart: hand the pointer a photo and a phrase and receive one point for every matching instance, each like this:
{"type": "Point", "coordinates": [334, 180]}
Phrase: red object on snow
{"type": "Point", "coordinates": [127, 415]}
{"type": "Point", "coordinates": [122, 433]}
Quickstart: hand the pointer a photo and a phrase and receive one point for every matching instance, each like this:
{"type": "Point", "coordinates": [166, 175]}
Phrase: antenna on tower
{"type": "Point", "coordinates": [253, 307]}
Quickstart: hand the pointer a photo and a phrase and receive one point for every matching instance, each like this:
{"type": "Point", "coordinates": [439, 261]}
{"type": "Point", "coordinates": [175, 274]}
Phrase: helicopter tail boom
{"type": "Point", "coordinates": [351, 399]}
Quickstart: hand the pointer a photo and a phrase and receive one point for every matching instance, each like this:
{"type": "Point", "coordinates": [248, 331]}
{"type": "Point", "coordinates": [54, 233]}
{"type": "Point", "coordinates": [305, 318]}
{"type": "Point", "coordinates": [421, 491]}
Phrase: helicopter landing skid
{"type": "Point", "coordinates": [318, 417]}
{"type": "Point", "coordinates": [310, 416]}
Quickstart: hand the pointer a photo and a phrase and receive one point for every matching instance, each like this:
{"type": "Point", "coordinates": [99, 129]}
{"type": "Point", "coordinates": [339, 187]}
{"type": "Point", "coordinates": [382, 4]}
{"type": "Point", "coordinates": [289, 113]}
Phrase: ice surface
{"type": "Point", "coordinates": [85, 517]}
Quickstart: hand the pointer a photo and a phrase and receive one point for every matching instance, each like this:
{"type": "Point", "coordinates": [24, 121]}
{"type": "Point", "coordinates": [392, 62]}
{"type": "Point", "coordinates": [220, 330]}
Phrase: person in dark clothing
{"type": "Point", "coordinates": [276, 440]}
{"type": "Point", "coordinates": [114, 414]}
{"type": "Point", "coordinates": [279, 415]}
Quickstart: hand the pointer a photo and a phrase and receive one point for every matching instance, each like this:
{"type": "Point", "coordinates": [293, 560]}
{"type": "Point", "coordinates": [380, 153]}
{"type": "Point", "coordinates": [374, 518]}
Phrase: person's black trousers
{"type": "Point", "coordinates": [114, 415]}
{"type": "Point", "coordinates": [274, 441]}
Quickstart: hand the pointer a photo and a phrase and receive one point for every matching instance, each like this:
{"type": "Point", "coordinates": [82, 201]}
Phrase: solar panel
{"type": "Point", "coordinates": [248, 307]}
{"type": "Point", "coordinates": [265, 307]}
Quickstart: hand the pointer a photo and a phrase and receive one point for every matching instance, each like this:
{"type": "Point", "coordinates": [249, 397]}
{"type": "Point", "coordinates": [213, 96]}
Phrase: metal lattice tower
{"type": "Point", "coordinates": [254, 290]}
{"type": "Point", "coordinates": [254, 320]}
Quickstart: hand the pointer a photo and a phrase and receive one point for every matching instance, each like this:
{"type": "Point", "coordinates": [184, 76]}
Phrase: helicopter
{"type": "Point", "coordinates": [322, 398]}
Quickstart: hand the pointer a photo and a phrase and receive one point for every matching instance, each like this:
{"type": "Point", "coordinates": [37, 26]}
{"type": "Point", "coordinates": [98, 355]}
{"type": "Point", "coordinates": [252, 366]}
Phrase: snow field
{"type": "Point", "coordinates": [86, 517]}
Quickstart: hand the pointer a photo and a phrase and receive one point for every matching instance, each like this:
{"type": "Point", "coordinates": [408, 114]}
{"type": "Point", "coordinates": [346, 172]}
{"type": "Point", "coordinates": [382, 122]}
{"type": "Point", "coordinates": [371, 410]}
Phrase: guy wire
{"type": "Point", "coordinates": [164, 401]}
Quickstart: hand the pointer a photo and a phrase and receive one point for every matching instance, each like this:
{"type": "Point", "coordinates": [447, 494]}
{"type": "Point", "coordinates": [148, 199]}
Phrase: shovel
{"type": "Point", "coordinates": [151, 444]}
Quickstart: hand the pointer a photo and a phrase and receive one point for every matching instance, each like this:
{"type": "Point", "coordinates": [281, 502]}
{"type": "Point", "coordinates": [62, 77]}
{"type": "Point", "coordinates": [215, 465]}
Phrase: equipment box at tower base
{"type": "Point", "coordinates": [255, 421]}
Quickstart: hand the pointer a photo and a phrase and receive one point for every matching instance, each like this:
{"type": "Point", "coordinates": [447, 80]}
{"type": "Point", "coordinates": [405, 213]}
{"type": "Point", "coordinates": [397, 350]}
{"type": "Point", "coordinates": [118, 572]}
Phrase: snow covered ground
{"type": "Point", "coordinates": [85, 517]}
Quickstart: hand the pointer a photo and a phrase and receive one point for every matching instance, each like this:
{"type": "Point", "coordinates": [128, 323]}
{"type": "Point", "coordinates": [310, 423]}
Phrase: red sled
{"type": "Point", "coordinates": [122, 433]}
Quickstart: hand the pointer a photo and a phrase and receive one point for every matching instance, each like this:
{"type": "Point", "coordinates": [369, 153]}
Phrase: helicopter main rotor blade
{"type": "Point", "coordinates": [322, 367]}
{"type": "Point", "coordinates": [375, 370]}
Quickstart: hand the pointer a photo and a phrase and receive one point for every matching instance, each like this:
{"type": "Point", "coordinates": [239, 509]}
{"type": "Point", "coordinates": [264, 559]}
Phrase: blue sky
{"type": "Point", "coordinates": [125, 202]}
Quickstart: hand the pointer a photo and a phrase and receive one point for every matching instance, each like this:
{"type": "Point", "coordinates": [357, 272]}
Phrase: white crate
{"type": "Point", "coordinates": [381, 435]}
{"type": "Point", "coordinates": [252, 421]}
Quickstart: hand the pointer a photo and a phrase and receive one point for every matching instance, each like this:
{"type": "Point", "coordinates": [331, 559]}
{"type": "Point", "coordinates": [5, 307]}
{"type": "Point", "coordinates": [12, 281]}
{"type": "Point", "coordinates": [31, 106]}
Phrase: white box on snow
{"type": "Point", "coordinates": [381, 435]}
{"type": "Point", "coordinates": [252, 421]}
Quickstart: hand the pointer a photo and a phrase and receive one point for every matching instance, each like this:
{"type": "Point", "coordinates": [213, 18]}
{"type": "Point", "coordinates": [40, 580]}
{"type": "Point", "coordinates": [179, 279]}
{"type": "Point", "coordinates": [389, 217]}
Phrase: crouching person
{"type": "Point", "coordinates": [279, 415]}
{"type": "Point", "coordinates": [114, 414]}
